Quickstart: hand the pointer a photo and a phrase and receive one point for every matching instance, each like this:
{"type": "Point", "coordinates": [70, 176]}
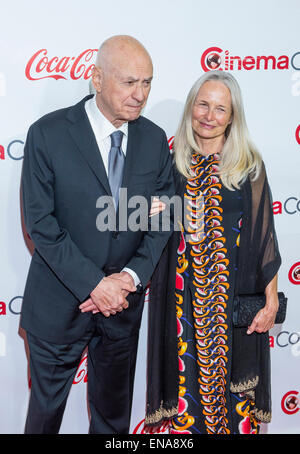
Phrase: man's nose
{"type": "Point", "coordinates": [138, 93]}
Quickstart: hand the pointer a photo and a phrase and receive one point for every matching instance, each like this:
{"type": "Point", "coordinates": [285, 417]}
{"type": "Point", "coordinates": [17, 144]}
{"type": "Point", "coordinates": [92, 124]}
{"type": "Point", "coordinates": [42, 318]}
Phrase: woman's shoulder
{"type": "Point", "coordinates": [259, 174]}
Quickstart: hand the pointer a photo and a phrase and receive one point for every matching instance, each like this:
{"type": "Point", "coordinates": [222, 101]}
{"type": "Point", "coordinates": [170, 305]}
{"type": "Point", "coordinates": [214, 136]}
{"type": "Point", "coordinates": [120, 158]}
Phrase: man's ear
{"type": "Point", "coordinates": [97, 78]}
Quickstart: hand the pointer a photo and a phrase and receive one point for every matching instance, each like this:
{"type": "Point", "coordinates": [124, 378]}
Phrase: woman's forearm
{"type": "Point", "coordinates": [271, 293]}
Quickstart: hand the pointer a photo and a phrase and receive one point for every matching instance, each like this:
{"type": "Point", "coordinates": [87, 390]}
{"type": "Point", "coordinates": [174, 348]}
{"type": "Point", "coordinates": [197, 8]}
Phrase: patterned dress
{"type": "Point", "coordinates": [206, 268]}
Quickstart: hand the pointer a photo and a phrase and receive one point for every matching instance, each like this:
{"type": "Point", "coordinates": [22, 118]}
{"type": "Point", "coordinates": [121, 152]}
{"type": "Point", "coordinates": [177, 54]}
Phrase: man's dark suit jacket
{"type": "Point", "coordinates": [63, 176]}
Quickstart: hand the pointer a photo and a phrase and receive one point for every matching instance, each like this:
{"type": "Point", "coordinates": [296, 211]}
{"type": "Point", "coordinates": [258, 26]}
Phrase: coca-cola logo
{"type": "Point", "coordinates": [141, 428]}
{"type": "Point", "coordinates": [81, 373]}
{"type": "Point", "coordinates": [42, 66]}
{"type": "Point", "coordinates": [171, 143]}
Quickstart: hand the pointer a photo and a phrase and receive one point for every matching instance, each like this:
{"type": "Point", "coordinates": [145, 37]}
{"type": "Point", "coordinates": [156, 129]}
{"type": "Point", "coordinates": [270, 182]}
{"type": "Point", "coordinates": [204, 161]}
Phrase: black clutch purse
{"type": "Point", "coordinates": [245, 308]}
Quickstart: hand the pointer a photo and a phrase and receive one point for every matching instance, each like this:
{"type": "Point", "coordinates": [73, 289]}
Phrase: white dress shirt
{"type": "Point", "coordinates": [102, 129]}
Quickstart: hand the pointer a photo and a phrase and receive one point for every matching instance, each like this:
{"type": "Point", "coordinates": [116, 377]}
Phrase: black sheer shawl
{"type": "Point", "coordinates": [258, 263]}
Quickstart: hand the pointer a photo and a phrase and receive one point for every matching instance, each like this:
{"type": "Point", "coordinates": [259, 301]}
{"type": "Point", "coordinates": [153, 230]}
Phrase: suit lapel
{"type": "Point", "coordinates": [82, 134]}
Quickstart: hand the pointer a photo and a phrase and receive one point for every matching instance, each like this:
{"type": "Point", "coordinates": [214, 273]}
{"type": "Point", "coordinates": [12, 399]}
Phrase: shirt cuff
{"type": "Point", "coordinates": [133, 275]}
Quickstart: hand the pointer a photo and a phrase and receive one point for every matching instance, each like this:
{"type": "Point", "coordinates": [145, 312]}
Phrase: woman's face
{"type": "Point", "coordinates": [211, 112]}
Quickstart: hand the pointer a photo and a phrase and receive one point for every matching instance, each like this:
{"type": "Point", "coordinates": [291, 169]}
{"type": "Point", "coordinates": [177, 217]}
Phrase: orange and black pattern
{"type": "Point", "coordinates": [204, 292]}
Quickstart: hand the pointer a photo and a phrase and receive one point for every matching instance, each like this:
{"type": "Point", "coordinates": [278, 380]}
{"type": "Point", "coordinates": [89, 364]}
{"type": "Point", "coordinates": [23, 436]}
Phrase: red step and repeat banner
{"type": "Point", "coordinates": [47, 52]}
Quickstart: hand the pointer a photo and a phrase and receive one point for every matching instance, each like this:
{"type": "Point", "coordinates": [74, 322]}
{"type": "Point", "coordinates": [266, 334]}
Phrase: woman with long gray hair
{"type": "Point", "coordinates": [205, 374]}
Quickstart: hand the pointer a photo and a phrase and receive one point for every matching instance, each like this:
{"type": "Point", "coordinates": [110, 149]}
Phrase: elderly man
{"type": "Point", "coordinates": [85, 285]}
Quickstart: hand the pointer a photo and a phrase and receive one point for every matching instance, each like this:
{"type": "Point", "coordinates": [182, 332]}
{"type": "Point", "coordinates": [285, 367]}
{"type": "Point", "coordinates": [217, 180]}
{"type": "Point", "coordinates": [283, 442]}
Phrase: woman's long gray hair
{"type": "Point", "coordinates": [239, 156]}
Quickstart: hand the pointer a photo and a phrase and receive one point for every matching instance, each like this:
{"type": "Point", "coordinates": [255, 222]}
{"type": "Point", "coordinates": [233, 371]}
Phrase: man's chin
{"type": "Point", "coordinates": [134, 111]}
{"type": "Point", "coordinates": [130, 115]}
{"type": "Point", "coordinates": [133, 116]}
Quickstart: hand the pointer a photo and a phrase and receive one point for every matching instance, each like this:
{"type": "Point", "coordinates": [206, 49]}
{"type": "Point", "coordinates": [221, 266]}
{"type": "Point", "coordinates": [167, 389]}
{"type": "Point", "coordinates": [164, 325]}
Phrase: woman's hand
{"type": "Point", "coordinates": [156, 207]}
{"type": "Point", "coordinates": [265, 318]}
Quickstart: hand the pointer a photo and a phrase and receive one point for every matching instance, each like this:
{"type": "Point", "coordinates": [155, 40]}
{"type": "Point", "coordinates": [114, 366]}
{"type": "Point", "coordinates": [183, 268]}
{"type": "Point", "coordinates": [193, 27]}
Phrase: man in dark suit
{"type": "Point", "coordinates": [85, 284]}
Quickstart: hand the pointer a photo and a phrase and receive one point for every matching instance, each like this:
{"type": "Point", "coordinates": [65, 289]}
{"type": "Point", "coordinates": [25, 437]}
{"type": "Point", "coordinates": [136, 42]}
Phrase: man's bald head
{"type": "Point", "coordinates": [119, 47]}
{"type": "Point", "coordinates": [122, 78]}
